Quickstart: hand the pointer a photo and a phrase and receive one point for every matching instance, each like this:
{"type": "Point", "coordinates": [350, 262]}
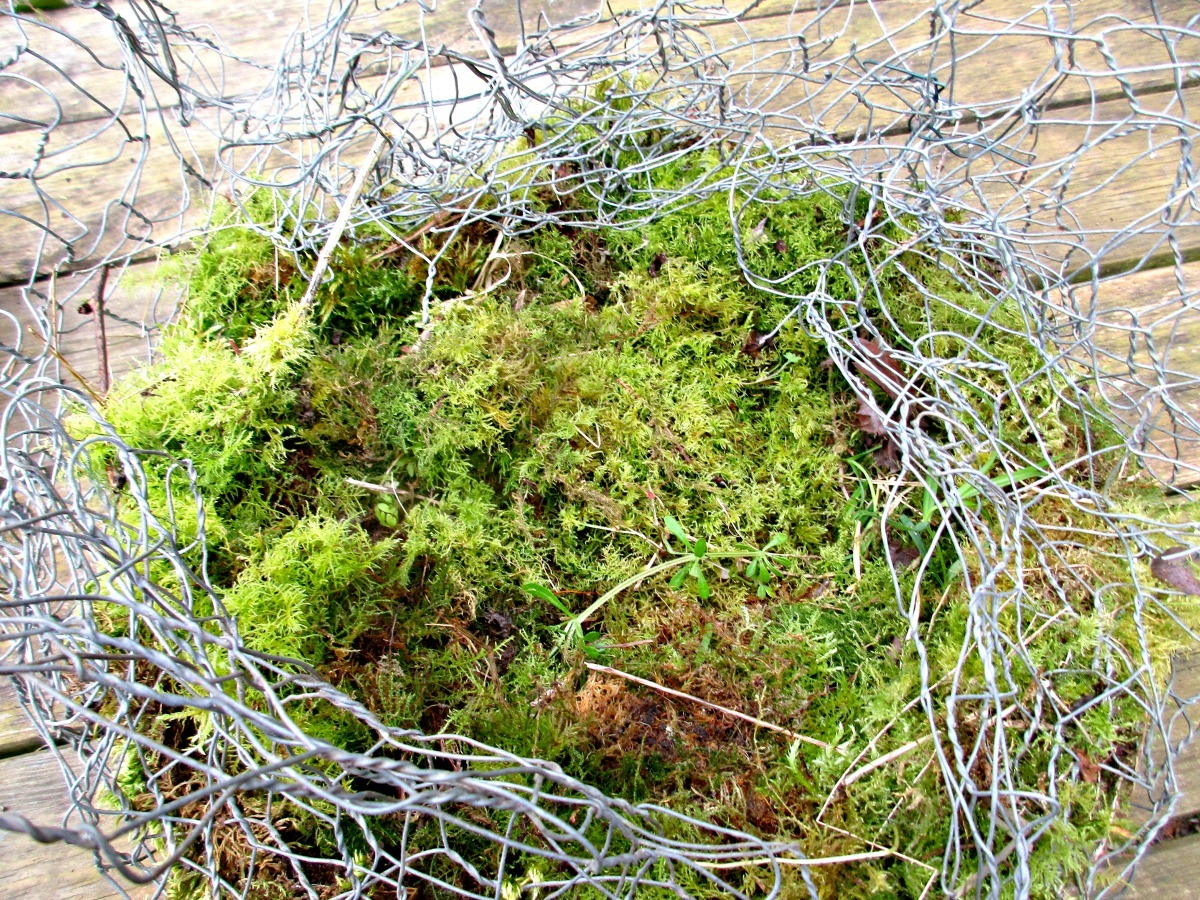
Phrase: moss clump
{"type": "Point", "coordinates": [381, 498]}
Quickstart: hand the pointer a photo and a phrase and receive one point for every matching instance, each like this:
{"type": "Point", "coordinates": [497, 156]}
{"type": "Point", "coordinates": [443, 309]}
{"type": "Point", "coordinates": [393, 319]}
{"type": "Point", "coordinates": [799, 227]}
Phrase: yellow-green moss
{"type": "Point", "coordinates": [379, 496]}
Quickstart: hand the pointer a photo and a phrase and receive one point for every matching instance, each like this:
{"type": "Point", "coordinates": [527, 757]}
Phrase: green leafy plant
{"type": "Point", "coordinates": [762, 570]}
{"type": "Point", "coordinates": [387, 511]}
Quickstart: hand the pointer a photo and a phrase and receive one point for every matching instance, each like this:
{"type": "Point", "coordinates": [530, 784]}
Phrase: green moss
{"type": "Point", "coordinates": [240, 281]}
{"type": "Point", "coordinates": [379, 495]}
{"type": "Point", "coordinates": [307, 589]}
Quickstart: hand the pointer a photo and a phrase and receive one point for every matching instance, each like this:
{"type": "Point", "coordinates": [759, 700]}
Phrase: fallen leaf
{"type": "Point", "coordinates": [1088, 770]}
{"type": "Point", "coordinates": [495, 623]}
{"type": "Point", "coordinates": [756, 342]}
{"type": "Point", "coordinates": [887, 456]}
{"type": "Point", "coordinates": [816, 590]}
{"type": "Point", "coordinates": [880, 366]}
{"type": "Point", "coordinates": [902, 557]}
{"type": "Point", "coordinates": [1172, 567]}
{"type": "Point", "coordinates": [869, 421]}
{"type": "Point", "coordinates": [869, 220]}
{"type": "Point", "coordinates": [116, 477]}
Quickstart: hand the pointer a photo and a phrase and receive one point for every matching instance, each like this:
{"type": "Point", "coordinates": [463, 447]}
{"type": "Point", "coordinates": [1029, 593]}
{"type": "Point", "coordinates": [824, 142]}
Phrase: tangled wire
{"type": "Point", "coordinates": [406, 120]}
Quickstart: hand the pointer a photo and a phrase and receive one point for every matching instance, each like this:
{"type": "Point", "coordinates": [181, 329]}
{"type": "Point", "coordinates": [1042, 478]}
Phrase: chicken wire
{"type": "Point", "coordinates": [404, 118]}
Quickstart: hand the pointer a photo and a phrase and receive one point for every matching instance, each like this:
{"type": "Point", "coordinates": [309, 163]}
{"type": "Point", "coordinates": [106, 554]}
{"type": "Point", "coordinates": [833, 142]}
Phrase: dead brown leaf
{"type": "Point", "coordinates": [1171, 566]}
{"type": "Point", "coordinates": [1089, 771]}
{"type": "Point", "coordinates": [887, 456]}
{"type": "Point", "coordinates": [756, 342]}
{"type": "Point", "coordinates": [869, 421]}
{"type": "Point", "coordinates": [880, 366]}
{"type": "Point", "coordinates": [902, 557]}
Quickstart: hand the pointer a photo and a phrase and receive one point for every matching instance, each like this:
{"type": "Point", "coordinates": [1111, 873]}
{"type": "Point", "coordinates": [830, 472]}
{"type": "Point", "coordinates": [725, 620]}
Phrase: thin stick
{"type": "Point", "coordinates": [102, 334]}
{"type": "Point", "coordinates": [885, 759]}
{"type": "Point", "coordinates": [880, 847]}
{"type": "Point", "coordinates": [389, 489]}
{"type": "Point", "coordinates": [53, 344]}
{"type": "Point", "coordinates": [799, 861]}
{"type": "Point", "coordinates": [608, 670]}
{"type": "Point", "coordinates": [343, 219]}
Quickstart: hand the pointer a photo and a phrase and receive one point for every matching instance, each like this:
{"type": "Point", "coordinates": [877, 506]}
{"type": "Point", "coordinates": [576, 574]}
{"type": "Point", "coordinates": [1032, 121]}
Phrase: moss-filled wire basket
{"type": "Point", "coordinates": [610, 483]}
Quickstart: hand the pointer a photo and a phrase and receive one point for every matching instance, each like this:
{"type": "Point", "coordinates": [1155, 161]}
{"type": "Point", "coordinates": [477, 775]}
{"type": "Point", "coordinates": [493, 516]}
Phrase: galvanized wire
{"type": "Point", "coordinates": [99, 630]}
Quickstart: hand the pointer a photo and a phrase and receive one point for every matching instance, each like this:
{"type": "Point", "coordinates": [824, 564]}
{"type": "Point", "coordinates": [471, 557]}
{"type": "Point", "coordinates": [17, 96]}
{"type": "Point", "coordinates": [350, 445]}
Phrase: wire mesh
{"type": "Point", "coordinates": [1041, 177]}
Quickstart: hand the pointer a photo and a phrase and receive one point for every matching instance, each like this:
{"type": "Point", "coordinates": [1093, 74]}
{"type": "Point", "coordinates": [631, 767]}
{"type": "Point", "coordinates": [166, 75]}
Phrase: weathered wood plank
{"type": "Point", "coordinates": [1114, 184]}
{"type": "Point", "coordinates": [17, 734]}
{"type": "Point", "coordinates": [1186, 780]}
{"type": "Point", "coordinates": [135, 303]}
{"type": "Point", "coordinates": [32, 786]}
{"type": "Point", "coordinates": [1146, 341]}
{"type": "Point", "coordinates": [56, 74]}
{"type": "Point", "coordinates": [1117, 208]}
{"type": "Point", "coordinates": [1013, 31]}
{"type": "Point", "coordinates": [85, 189]}
{"type": "Point", "coordinates": [57, 188]}
{"type": "Point", "coordinates": [1168, 871]}
{"type": "Point", "coordinates": [870, 66]}
{"type": "Point", "coordinates": [99, 191]}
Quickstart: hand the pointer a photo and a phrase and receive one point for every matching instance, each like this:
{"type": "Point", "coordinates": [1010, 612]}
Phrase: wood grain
{"type": "Point", "coordinates": [1186, 786]}
{"type": "Point", "coordinates": [871, 67]}
{"type": "Point", "coordinates": [32, 786]}
{"type": "Point", "coordinates": [1168, 871]}
{"type": "Point", "coordinates": [61, 80]}
{"type": "Point", "coordinates": [136, 304]}
{"type": "Point", "coordinates": [247, 39]}
{"type": "Point", "coordinates": [84, 214]}
{"type": "Point", "coordinates": [93, 191]}
{"type": "Point", "coordinates": [1141, 331]}
{"type": "Point", "coordinates": [1090, 191]}
{"type": "Point", "coordinates": [17, 734]}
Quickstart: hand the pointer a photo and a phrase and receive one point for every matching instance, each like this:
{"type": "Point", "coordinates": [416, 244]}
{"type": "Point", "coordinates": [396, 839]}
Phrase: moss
{"type": "Point", "coordinates": [307, 589]}
{"type": "Point", "coordinates": [378, 496]}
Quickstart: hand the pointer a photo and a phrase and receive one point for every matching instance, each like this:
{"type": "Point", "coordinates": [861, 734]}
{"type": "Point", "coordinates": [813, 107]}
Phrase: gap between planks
{"type": "Point", "coordinates": [32, 786]}
{"type": "Point", "coordinates": [1113, 181]}
{"type": "Point", "coordinates": [17, 734]}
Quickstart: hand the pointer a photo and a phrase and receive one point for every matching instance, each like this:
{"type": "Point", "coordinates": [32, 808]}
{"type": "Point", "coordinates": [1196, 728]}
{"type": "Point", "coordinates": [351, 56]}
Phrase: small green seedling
{"type": "Point", "coordinates": [387, 511]}
{"type": "Point", "coordinates": [592, 643]}
{"type": "Point", "coordinates": [692, 568]}
{"type": "Point", "coordinates": [762, 571]}
{"type": "Point", "coordinates": [541, 592]}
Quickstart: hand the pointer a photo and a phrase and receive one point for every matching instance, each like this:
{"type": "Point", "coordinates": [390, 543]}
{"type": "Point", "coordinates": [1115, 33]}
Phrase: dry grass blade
{"type": "Point", "coordinates": [670, 692]}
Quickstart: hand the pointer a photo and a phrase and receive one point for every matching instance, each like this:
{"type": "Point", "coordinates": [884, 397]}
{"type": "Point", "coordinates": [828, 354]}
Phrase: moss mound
{"type": "Point", "coordinates": [418, 512]}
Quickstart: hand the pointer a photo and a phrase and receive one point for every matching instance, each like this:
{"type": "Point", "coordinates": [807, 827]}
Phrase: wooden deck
{"type": "Point", "coordinates": [1137, 282]}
